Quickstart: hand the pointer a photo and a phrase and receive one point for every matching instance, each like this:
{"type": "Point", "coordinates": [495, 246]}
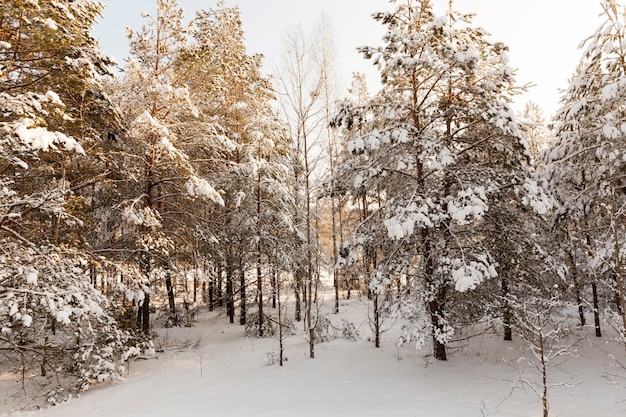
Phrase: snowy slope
{"type": "Point", "coordinates": [226, 375]}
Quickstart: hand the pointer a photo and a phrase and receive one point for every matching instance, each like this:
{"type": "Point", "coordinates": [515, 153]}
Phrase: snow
{"type": "Point", "coordinates": [51, 24]}
{"type": "Point", "coordinates": [610, 132]}
{"type": "Point", "coordinates": [31, 277]}
{"type": "Point", "coordinates": [536, 197]}
{"type": "Point", "coordinates": [609, 91]}
{"type": "Point", "coordinates": [63, 316]}
{"type": "Point", "coordinates": [166, 144]}
{"type": "Point", "coordinates": [469, 202]}
{"type": "Point", "coordinates": [239, 198]}
{"type": "Point", "coordinates": [41, 139]}
{"type": "Point", "coordinates": [446, 157]}
{"type": "Point", "coordinates": [199, 187]}
{"type": "Point", "coordinates": [398, 229]}
{"type": "Point", "coordinates": [226, 375]}
{"type": "Point", "coordinates": [141, 216]}
{"type": "Point", "coordinates": [240, 105]}
{"type": "Point", "coordinates": [27, 320]}
{"type": "Point", "coordinates": [468, 56]}
{"type": "Point", "coordinates": [356, 146]}
{"type": "Point", "coordinates": [468, 275]}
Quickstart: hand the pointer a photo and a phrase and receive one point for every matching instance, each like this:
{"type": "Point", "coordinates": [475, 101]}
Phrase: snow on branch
{"type": "Point", "coordinates": [471, 202]}
{"type": "Point", "coordinates": [403, 223]}
{"type": "Point", "coordinates": [141, 216]}
{"type": "Point", "coordinates": [26, 130]}
{"type": "Point", "coordinates": [467, 275]}
{"type": "Point", "coordinates": [37, 138]}
{"type": "Point", "coordinates": [199, 187]}
{"type": "Point", "coordinates": [536, 197]}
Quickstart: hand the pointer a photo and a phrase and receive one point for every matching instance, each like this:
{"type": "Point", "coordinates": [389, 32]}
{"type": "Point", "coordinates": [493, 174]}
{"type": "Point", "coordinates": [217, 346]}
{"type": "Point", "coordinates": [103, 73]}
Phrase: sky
{"type": "Point", "coordinates": [543, 35]}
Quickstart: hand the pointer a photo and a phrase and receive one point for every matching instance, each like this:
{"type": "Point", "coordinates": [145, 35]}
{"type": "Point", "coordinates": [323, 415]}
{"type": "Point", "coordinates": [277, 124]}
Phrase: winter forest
{"type": "Point", "coordinates": [429, 221]}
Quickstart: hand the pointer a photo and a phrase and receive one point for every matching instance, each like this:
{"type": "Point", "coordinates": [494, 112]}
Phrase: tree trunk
{"type": "Point", "coordinates": [242, 293]}
{"type": "Point", "coordinates": [274, 287]}
{"type": "Point", "coordinates": [209, 293]}
{"type": "Point", "coordinates": [170, 291]}
{"type": "Point", "coordinates": [281, 329]}
{"type": "Point", "coordinates": [435, 306]}
{"type": "Point", "coordinates": [259, 281]}
{"type": "Point", "coordinates": [376, 322]}
{"type": "Point", "coordinates": [230, 296]}
{"type": "Point", "coordinates": [581, 310]}
{"type": "Point", "coordinates": [309, 309]}
{"type": "Point", "coordinates": [439, 349]}
{"type": "Point", "coordinates": [145, 319]}
{"type": "Point", "coordinates": [579, 300]}
{"type": "Point", "coordinates": [544, 375]}
{"type": "Point", "coordinates": [259, 277]}
{"type": "Point", "coordinates": [618, 269]}
{"type": "Point", "coordinates": [506, 313]}
{"type": "Point", "coordinates": [139, 315]}
{"type": "Point", "coordinates": [220, 289]}
{"type": "Point", "coordinates": [297, 292]}
{"type": "Point", "coordinates": [143, 310]}
{"type": "Point", "coordinates": [596, 309]}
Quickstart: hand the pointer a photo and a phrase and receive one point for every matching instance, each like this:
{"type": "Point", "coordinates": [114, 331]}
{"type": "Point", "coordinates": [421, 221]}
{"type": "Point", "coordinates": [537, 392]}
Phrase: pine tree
{"type": "Point", "coordinates": [248, 161]}
{"type": "Point", "coordinates": [155, 197]}
{"type": "Point", "coordinates": [52, 112]}
{"type": "Point", "coordinates": [440, 146]}
{"type": "Point", "coordinates": [585, 164]}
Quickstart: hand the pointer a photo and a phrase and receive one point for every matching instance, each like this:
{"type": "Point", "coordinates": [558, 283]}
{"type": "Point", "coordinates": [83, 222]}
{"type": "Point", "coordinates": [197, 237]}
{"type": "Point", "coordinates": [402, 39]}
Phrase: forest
{"type": "Point", "coordinates": [193, 182]}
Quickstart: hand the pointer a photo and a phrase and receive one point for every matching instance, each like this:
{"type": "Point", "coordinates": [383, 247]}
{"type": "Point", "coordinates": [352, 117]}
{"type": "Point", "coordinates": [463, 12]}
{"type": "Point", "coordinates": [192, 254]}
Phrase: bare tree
{"type": "Point", "coordinates": [303, 84]}
{"type": "Point", "coordinates": [543, 329]}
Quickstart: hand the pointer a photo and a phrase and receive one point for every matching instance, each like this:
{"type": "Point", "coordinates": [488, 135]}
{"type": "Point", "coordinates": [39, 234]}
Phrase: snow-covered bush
{"type": "Point", "coordinates": [349, 331]}
{"type": "Point", "coordinates": [323, 330]}
{"type": "Point", "coordinates": [54, 323]}
{"type": "Point", "coordinates": [270, 326]}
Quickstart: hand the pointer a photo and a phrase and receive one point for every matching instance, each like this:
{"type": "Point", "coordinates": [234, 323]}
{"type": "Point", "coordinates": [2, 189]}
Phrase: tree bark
{"type": "Point", "coordinates": [209, 293]}
{"type": "Point", "coordinates": [297, 292]}
{"type": "Point", "coordinates": [145, 322]}
{"type": "Point", "coordinates": [376, 322]}
{"type": "Point", "coordinates": [596, 309]}
{"type": "Point", "coordinates": [259, 281]}
{"type": "Point", "coordinates": [506, 313]}
{"type": "Point", "coordinates": [435, 306]}
{"type": "Point", "coordinates": [579, 300]}
{"type": "Point", "coordinates": [242, 294]}
{"type": "Point", "coordinates": [618, 269]}
{"type": "Point", "coordinates": [274, 287]}
{"type": "Point", "coordinates": [170, 292]}
{"type": "Point", "coordinates": [230, 296]}
{"type": "Point", "coordinates": [220, 289]}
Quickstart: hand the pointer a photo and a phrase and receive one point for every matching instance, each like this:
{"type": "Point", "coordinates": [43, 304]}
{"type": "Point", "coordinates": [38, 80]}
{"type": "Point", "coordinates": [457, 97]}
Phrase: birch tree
{"type": "Point", "coordinates": [299, 85]}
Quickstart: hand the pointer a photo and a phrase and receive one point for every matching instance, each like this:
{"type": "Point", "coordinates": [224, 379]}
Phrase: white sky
{"type": "Point", "coordinates": [543, 35]}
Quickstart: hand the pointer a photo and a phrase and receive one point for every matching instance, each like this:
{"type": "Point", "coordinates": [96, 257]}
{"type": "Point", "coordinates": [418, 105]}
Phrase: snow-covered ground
{"type": "Point", "coordinates": [216, 371]}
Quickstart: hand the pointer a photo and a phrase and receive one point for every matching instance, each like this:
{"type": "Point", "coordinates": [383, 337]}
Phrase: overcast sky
{"type": "Point", "coordinates": [543, 35]}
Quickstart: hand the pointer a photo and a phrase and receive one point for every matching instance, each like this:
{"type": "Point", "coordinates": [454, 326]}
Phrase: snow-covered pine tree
{"type": "Point", "coordinates": [585, 165]}
{"type": "Point", "coordinates": [156, 193]}
{"type": "Point", "coordinates": [52, 108]}
{"type": "Point", "coordinates": [441, 146]}
{"type": "Point", "coordinates": [247, 158]}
